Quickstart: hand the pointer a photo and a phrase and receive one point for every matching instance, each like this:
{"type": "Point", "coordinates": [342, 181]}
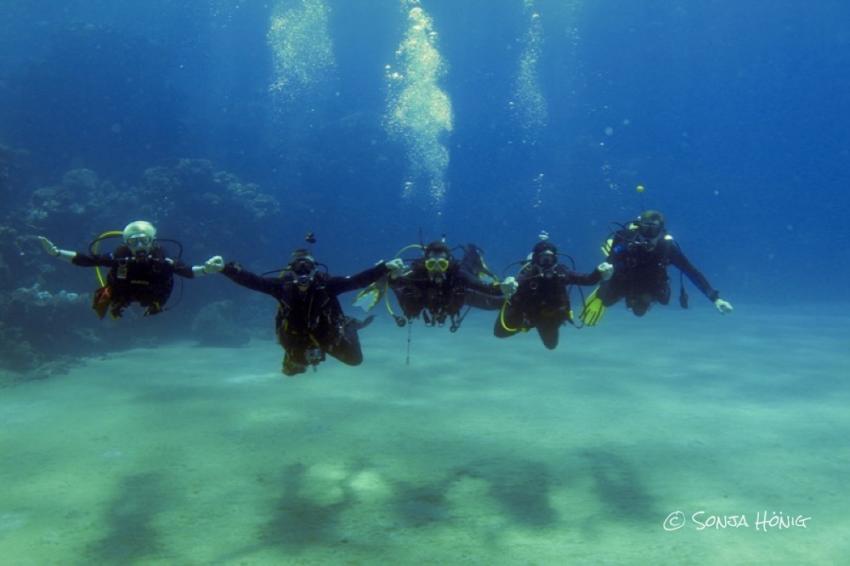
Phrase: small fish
{"type": "Point", "coordinates": [310, 238]}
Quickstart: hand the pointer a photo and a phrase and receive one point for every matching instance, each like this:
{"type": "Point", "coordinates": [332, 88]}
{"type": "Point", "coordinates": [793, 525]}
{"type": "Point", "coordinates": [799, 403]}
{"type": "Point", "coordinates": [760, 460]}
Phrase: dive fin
{"type": "Point", "coordinates": [370, 296]}
{"type": "Point", "coordinates": [473, 262]}
{"type": "Point", "coordinates": [593, 309]}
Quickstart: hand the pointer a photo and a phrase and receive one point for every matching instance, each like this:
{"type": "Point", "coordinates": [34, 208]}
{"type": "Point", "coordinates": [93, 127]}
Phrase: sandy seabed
{"type": "Point", "coordinates": [681, 438]}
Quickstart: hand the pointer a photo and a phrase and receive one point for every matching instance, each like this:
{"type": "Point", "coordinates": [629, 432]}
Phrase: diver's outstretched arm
{"type": "Point", "coordinates": [472, 283]}
{"type": "Point", "coordinates": [240, 276]}
{"type": "Point", "coordinates": [679, 260]}
{"type": "Point", "coordinates": [52, 249]}
{"type": "Point", "coordinates": [339, 285]}
{"type": "Point", "coordinates": [603, 272]}
{"type": "Point", "coordinates": [77, 258]}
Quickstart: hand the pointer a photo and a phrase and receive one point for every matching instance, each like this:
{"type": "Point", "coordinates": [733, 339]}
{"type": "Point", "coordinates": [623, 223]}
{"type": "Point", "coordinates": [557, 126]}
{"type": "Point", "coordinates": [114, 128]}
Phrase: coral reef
{"type": "Point", "coordinates": [78, 197]}
{"type": "Point", "coordinates": [194, 183]}
{"type": "Point", "coordinates": [35, 327]}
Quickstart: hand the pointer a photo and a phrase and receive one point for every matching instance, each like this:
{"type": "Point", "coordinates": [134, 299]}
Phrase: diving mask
{"type": "Point", "coordinates": [440, 264]}
{"type": "Point", "coordinates": [650, 229]}
{"type": "Point", "coordinates": [139, 236]}
{"type": "Point", "coordinates": [303, 269]}
{"type": "Point", "coordinates": [139, 243]}
{"type": "Point", "coordinates": [546, 259]}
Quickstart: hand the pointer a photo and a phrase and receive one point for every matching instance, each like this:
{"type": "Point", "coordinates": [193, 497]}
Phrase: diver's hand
{"type": "Point", "coordinates": [395, 267]}
{"type": "Point", "coordinates": [52, 249]}
{"type": "Point", "coordinates": [214, 264]}
{"type": "Point", "coordinates": [508, 286]}
{"type": "Point", "coordinates": [49, 247]}
{"type": "Point", "coordinates": [724, 307]}
{"type": "Point", "coordinates": [606, 270]}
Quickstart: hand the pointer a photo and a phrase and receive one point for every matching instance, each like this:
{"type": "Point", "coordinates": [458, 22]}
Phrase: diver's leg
{"type": "Point", "coordinates": [640, 303]}
{"type": "Point", "coordinates": [549, 329]}
{"type": "Point", "coordinates": [347, 348]}
{"type": "Point", "coordinates": [640, 295]}
{"type": "Point", "coordinates": [117, 306]}
{"type": "Point", "coordinates": [512, 322]}
{"type": "Point", "coordinates": [294, 362]}
{"type": "Point", "coordinates": [152, 308]}
{"type": "Point", "coordinates": [409, 306]}
{"type": "Point", "coordinates": [295, 357]}
{"type": "Point", "coordinates": [159, 301]}
{"type": "Point", "coordinates": [662, 292]}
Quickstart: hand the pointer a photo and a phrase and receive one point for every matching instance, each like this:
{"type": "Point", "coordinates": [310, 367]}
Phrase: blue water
{"type": "Point", "coordinates": [737, 123]}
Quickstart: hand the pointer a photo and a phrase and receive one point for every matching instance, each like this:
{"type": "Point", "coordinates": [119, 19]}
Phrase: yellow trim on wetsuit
{"type": "Point", "coordinates": [504, 324]}
{"type": "Point", "coordinates": [94, 248]}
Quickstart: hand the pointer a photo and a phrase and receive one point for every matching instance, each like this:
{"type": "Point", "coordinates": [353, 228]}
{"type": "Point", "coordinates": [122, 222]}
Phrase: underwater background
{"type": "Point", "coordinates": [237, 127]}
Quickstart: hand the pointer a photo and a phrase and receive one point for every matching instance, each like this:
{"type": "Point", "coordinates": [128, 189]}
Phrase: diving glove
{"type": "Point", "coordinates": [724, 307]}
{"type": "Point", "coordinates": [395, 267]}
{"type": "Point", "coordinates": [52, 249]}
{"type": "Point", "coordinates": [213, 265]}
{"type": "Point", "coordinates": [606, 270]}
{"type": "Point", "coordinates": [508, 286]}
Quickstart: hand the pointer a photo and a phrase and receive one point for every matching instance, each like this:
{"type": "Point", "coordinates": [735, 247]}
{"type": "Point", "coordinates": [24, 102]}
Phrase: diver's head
{"type": "Point", "coordinates": [303, 268]}
{"type": "Point", "coordinates": [650, 225]}
{"type": "Point", "coordinates": [544, 254]}
{"type": "Point", "coordinates": [139, 236]}
{"type": "Point", "coordinates": [438, 258]}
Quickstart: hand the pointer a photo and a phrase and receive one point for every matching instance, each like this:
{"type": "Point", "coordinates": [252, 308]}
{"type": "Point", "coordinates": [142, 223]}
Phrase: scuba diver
{"type": "Point", "coordinates": [140, 271]}
{"type": "Point", "coordinates": [641, 252]}
{"type": "Point", "coordinates": [542, 299]}
{"type": "Point", "coordinates": [310, 322]}
{"type": "Point", "coordinates": [437, 286]}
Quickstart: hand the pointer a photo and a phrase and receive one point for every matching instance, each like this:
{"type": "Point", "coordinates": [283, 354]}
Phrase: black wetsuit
{"type": "Point", "coordinates": [145, 278]}
{"type": "Point", "coordinates": [311, 323]}
{"type": "Point", "coordinates": [542, 301]}
{"type": "Point", "coordinates": [640, 272]}
{"type": "Point", "coordinates": [442, 299]}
